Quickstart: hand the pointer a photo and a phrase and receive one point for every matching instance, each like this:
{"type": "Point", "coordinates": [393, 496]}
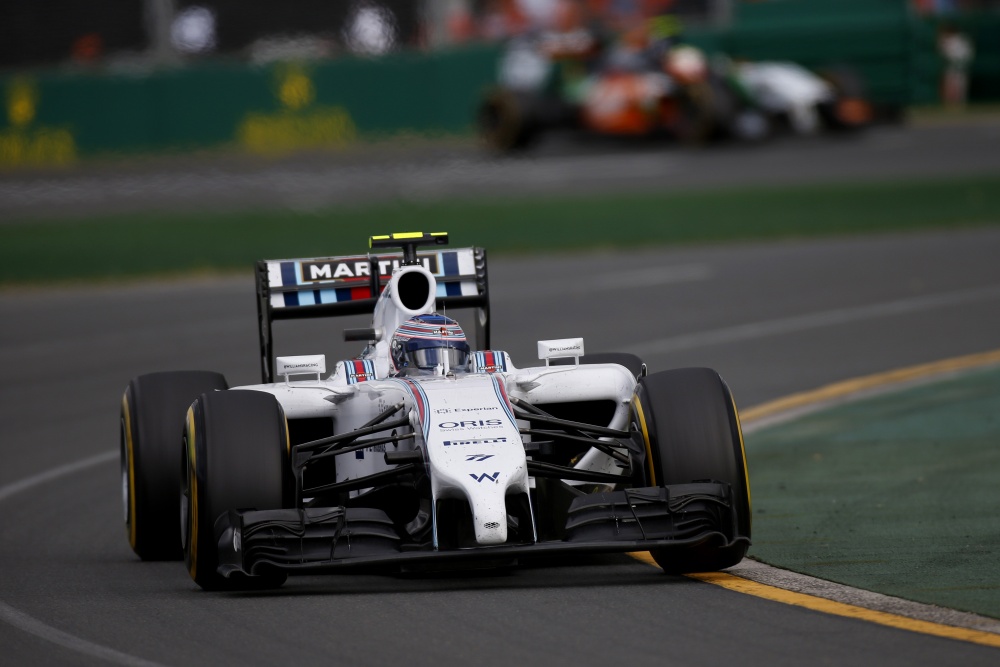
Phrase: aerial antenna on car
{"type": "Point", "coordinates": [408, 241]}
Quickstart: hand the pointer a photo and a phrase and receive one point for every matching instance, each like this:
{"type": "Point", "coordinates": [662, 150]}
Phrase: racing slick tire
{"type": "Point", "coordinates": [235, 455]}
{"type": "Point", "coordinates": [695, 122]}
{"type": "Point", "coordinates": [151, 428]}
{"type": "Point", "coordinates": [692, 432]}
{"type": "Point", "coordinates": [506, 122]}
{"type": "Point", "coordinates": [850, 109]}
{"type": "Point", "coordinates": [735, 116]}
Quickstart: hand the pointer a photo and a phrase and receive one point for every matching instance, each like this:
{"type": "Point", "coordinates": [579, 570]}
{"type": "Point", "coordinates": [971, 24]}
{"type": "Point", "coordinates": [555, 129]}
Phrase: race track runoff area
{"type": "Point", "coordinates": [895, 493]}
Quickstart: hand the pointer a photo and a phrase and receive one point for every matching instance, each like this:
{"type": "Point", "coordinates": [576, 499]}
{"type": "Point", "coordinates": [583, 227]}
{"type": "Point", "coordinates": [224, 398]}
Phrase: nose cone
{"type": "Point", "coordinates": [474, 450]}
{"type": "Point", "coordinates": [487, 494]}
{"type": "Point", "coordinates": [486, 491]}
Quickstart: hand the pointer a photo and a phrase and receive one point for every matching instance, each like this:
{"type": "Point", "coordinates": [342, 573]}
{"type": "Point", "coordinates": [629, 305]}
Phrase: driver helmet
{"type": "Point", "coordinates": [422, 343]}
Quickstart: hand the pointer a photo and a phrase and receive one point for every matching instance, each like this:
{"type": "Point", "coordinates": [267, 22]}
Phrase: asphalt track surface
{"type": "Point", "coordinates": [773, 318]}
{"type": "Point", "coordinates": [432, 170]}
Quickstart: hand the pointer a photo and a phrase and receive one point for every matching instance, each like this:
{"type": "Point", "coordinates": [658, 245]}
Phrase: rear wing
{"type": "Point", "coordinates": [290, 289]}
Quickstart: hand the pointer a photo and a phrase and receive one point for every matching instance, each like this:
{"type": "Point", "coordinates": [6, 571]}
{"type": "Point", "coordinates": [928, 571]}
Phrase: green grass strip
{"type": "Point", "coordinates": [896, 494]}
{"type": "Point", "coordinates": [154, 244]}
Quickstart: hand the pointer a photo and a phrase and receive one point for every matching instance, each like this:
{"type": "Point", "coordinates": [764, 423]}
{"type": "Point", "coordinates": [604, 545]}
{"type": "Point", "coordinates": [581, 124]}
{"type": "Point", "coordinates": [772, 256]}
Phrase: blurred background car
{"type": "Point", "coordinates": [212, 107]}
{"type": "Point", "coordinates": [648, 82]}
{"type": "Point", "coordinates": [115, 77]}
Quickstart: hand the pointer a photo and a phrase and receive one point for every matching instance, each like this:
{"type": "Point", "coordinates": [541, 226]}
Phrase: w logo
{"type": "Point", "coordinates": [485, 476]}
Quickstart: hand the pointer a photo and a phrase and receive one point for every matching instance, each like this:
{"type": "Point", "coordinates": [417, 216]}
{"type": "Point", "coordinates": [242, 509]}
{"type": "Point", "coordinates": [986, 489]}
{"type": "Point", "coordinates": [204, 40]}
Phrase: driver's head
{"type": "Point", "coordinates": [423, 343]}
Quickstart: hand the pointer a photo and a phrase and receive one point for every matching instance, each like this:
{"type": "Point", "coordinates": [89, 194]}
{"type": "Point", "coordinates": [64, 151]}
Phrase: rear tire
{"type": "Point", "coordinates": [506, 122]}
{"type": "Point", "coordinates": [235, 456]}
{"type": "Point", "coordinates": [696, 119]}
{"type": "Point", "coordinates": [151, 428]}
{"type": "Point", "coordinates": [692, 432]}
{"type": "Point", "coordinates": [850, 111]}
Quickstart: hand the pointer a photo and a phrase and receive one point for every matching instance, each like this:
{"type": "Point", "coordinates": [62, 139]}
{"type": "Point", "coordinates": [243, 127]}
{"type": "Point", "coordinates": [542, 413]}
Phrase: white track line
{"type": "Point", "coordinates": [818, 320]}
{"type": "Point", "coordinates": [35, 627]}
{"type": "Point", "coordinates": [606, 282]}
{"type": "Point", "coordinates": [14, 488]}
{"type": "Point", "coordinates": [32, 625]}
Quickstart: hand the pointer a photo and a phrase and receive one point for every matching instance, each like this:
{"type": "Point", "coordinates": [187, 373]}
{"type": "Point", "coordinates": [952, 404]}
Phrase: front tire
{"type": "Point", "coordinates": [151, 426]}
{"type": "Point", "coordinates": [692, 433]}
{"type": "Point", "coordinates": [234, 457]}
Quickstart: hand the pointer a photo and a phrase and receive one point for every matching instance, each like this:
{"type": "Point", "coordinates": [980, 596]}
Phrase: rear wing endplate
{"type": "Point", "coordinates": [289, 289]}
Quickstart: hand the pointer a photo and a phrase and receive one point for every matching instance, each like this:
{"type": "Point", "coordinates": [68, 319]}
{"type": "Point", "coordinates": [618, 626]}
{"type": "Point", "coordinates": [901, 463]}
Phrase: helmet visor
{"type": "Point", "coordinates": [431, 357]}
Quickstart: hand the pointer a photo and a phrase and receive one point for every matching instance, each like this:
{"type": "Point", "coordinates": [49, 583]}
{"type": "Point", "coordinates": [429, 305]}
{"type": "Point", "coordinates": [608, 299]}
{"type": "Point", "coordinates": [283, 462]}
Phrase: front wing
{"type": "Point", "coordinates": [677, 519]}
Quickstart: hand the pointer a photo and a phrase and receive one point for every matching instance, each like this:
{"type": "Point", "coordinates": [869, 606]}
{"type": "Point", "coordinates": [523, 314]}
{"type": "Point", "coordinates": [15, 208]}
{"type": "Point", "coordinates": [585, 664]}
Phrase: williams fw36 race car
{"type": "Point", "coordinates": [425, 452]}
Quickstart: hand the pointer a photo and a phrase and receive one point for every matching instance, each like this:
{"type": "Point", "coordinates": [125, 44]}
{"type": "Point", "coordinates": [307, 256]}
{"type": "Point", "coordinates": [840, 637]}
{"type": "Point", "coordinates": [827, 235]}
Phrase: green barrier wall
{"type": "Point", "coordinates": [54, 118]}
{"type": "Point", "coordinates": [894, 50]}
{"type": "Point", "coordinates": [872, 37]}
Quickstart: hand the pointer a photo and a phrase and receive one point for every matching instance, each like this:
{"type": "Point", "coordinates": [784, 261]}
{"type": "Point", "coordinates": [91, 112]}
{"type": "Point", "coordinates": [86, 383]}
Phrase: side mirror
{"type": "Point", "coordinates": [301, 365]}
{"type": "Point", "coordinates": [563, 347]}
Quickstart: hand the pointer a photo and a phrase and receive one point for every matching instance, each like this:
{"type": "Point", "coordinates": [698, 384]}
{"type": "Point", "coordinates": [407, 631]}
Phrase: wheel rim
{"type": "Point", "coordinates": [185, 497]}
{"type": "Point", "coordinates": [126, 465]}
{"type": "Point", "coordinates": [640, 427]}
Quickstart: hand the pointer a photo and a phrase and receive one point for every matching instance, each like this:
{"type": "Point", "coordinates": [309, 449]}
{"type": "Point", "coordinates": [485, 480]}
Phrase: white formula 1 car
{"type": "Point", "coordinates": [423, 453]}
{"type": "Point", "coordinates": [791, 95]}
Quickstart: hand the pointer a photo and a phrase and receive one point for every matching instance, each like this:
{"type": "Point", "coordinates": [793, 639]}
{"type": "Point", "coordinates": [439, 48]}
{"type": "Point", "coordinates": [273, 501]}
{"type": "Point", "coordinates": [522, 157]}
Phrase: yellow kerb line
{"type": "Point", "coordinates": [741, 585]}
{"type": "Point", "coordinates": [828, 393]}
{"type": "Point", "coordinates": [847, 387]}
{"type": "Point", "coordinates": [749, 587]}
